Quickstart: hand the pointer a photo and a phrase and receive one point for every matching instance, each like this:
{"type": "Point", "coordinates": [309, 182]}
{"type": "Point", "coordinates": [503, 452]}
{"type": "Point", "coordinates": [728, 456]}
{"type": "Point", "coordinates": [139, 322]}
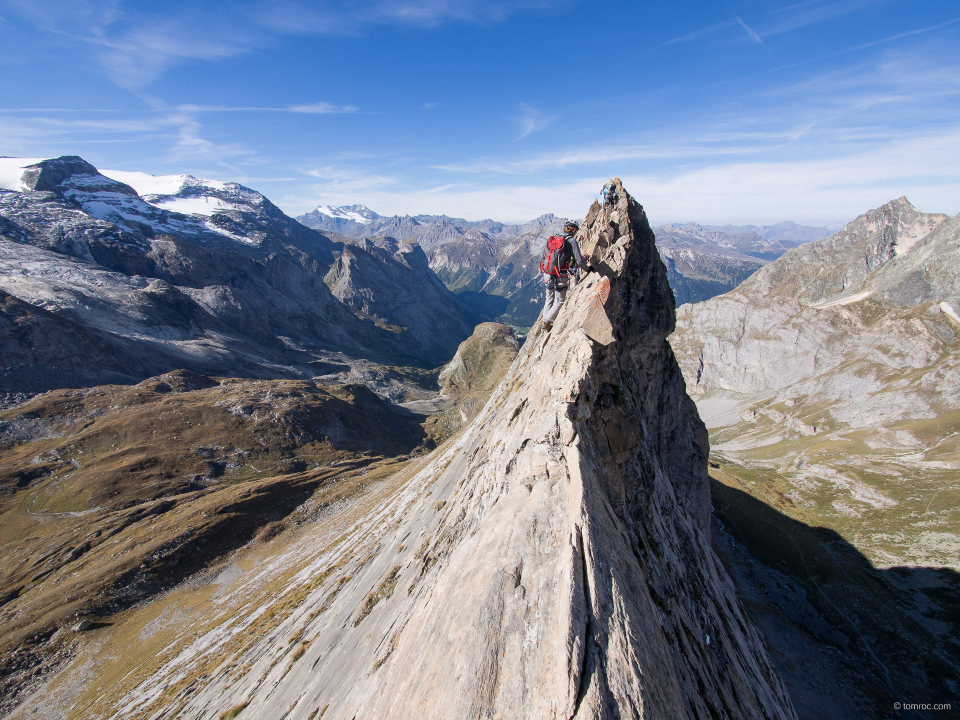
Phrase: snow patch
{"type": "Point", "coordinates": [203, 205]}
{"type": "Point", "coordinates": [11, 169]}
{"type": "Point", "coordinates": [226, 233]}
{"type": "Point", "coordinates": [146, 184]}
{"type": "Point", "coordinates": [947, 309]}
{"type": "Point", "coordinates": [849, 300]}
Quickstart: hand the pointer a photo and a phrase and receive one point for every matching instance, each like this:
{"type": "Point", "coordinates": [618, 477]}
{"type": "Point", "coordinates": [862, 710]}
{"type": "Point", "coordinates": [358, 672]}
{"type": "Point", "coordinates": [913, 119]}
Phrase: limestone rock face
{"type": "Point", "coordinates": [552, 560]}
{"type": "Point", "coordinates": [822, 271]}
{"type": "Point", "coordinates": [836, 369]}
{"type": "Point", "coordinates": [815, 311]}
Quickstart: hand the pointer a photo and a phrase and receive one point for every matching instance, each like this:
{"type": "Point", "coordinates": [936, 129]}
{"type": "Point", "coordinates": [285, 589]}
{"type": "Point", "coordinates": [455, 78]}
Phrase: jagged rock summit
{"type": "Point", "coordinates": [552, 560]}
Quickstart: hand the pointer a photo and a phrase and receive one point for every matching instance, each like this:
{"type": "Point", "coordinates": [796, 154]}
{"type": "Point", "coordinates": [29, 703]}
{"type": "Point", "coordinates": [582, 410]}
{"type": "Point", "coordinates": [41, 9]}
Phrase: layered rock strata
{"type": "Point", "coordinates": [552, 560]}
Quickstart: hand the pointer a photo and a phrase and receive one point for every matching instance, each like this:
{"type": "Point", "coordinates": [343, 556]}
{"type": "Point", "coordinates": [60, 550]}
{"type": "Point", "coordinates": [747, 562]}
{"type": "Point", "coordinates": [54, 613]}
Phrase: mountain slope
{"type": "Point", "coordinates": [824, 270]}
{"type": "Point", "coordinates": [196, 274]}
{"type": "Point", "coordinates": [830, 381]}
{"type": "Point", "coordinates": [705, 261]}
{"type": "Point", "coordinates": [552, 560]}
{"type": "Point", "coordinates": [493, 267]}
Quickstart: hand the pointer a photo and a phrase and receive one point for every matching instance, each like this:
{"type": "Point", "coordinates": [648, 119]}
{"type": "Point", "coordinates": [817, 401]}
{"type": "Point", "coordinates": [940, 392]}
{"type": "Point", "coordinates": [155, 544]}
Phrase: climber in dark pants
{"type": "Point", "coordinates": [556, 271]}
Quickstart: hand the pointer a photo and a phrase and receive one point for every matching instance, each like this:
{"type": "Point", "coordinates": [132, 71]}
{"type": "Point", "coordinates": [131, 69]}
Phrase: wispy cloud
{"type": "Point", "coordinates": [681, 146]}
{"type": "Point", "coordinates": [701, 33]}
{"type": "Point", "coordinates": [750, 32]}
{"type": "Point", "coordinates": [191, 146]}
{"type": "Point", "coordinates": [805, 14]}
{"type": "Point", "coordinates": [832, 188]}
{"type": "Point", "coordinates": [136, 43]}
{"type": "Point", "coordinates": [322, 108]}
{"type": "Point", "coordinates": [532, 120]}
{"type": "Point", "coordinates": [180, 132]}
{"type": "Point", "coordinates": [781, 20]}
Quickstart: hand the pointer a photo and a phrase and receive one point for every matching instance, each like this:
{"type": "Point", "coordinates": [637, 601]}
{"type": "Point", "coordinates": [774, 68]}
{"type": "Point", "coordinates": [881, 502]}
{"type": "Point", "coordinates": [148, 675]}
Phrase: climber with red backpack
{"type": "Point", "coordinates": [556, 269]}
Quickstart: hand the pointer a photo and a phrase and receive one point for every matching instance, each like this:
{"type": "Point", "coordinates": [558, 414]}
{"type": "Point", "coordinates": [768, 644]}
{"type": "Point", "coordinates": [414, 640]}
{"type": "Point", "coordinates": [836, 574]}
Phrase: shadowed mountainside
{"type": "Point", "coordinates": [848, 639]}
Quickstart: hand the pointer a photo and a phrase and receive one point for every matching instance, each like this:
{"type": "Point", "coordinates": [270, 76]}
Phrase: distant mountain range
{"type": "Point", "coordinates": [115, 277]}
{"type": "Point", "coordinates": [493, 266]}
{"type": "Point", "coordinates": [430, 231]}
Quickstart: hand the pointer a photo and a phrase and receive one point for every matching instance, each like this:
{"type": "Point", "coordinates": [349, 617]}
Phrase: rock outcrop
{"type": "Point", "coordinates": [552, 560]}
{"type": "Point", "coordinates": [475, 371]}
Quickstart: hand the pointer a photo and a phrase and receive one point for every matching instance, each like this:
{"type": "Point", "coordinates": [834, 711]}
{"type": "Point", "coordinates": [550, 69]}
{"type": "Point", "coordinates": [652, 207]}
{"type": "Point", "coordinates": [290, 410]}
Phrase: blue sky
{"type": "Point", "coordinates": [727, 111]}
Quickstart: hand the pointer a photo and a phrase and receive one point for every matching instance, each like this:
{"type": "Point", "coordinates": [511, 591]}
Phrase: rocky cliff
{"type": "Point", "coordinates": [552, 560]}
{"type": "Point", "coordinates": [392, 282]}
{"type": "Point", "coordinates": [847, 343]}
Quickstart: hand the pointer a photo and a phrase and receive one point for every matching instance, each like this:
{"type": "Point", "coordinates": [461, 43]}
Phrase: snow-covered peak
{"type": "Point", "coordinates": [187, 194]}
{"type": "Point", "coordinates": [146, 184]}
{"type": "Point", "coordinates": [356, 213]}
{"type": "Point", "coordinates": [11, 170]}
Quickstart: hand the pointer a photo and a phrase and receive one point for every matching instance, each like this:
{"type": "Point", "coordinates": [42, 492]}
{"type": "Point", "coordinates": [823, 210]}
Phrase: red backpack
{"type": "Point", "coordinates": [556, 257]}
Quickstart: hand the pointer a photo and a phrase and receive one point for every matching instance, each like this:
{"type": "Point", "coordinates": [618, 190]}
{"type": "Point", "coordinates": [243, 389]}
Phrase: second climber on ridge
{"type": "Point", "coordinates": [556, 268]}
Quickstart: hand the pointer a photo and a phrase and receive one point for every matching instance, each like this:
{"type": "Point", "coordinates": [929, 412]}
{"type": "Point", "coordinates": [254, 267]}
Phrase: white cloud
{"type": "Point", "coordinates": [190, 146]}
{"type": "Point", "coordinates": [781, 20]}
{"type": "Point", "coordinates": [816, 191]}
{"type": "Point", "coordinates": [753, 36]}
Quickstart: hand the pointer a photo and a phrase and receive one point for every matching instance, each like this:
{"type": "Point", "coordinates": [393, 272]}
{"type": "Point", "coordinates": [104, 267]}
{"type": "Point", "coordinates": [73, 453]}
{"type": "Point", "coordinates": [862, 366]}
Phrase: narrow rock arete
{"type": "Point", "coordinates": [552, 560]}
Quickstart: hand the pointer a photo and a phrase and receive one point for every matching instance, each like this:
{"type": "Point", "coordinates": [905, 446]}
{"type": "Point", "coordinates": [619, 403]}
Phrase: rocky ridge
{"type": "Point", "coordinates": [705, 261]}
{"type": "Point", "coordinates": [551, 560]}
